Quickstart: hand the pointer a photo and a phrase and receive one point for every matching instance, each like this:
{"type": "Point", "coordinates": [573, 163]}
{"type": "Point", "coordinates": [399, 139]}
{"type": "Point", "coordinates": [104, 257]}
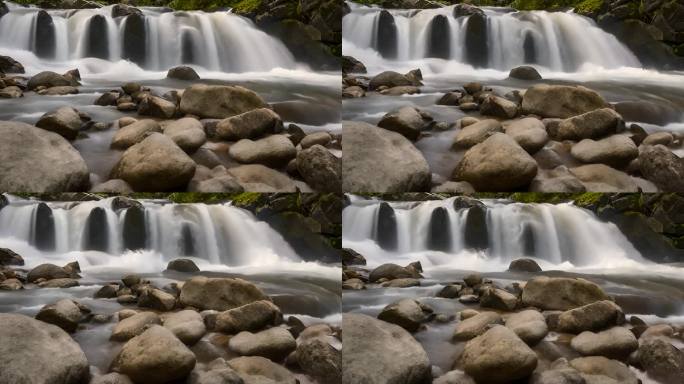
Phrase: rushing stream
{"type": "Point", "coordinates": [564, 47]}
{"type": "Point", "coordinates": [109, 243]}
{"type": "Point", "coordinates": [564, 240]}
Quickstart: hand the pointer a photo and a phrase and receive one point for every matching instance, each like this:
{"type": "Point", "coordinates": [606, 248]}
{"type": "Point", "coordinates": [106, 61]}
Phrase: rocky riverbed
{"type": "Point", "coordinates": [523, 325]}
{"type": "Point", "coordinates": [523, 133]}
{"type": "Point", "coordinates": [179, 134]}
{"type": "Point", "coordinates": [183, 325]}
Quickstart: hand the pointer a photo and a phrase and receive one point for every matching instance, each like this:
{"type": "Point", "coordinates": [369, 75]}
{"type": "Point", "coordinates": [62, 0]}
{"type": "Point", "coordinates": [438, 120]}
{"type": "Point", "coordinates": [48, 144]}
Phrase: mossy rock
{"type": "Point", "coordinates": [300, 232]}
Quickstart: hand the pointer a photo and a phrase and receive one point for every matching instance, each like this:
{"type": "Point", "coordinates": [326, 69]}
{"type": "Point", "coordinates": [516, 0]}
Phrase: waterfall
{"type": "Point", "coordinates": [157, 39]}
{"type": "Point", "coordinates": [497, 39]}
{"type": "Point", "coordinates": [496, 232]}
{"type": "Point", "coordinates": [218, 234]}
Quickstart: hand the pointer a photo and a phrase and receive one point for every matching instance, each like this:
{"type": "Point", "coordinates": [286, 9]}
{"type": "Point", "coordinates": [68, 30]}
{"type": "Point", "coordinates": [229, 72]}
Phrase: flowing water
{"type": "Point", "coordinates": [109, 243]}
{"type": "Point", "coordinates": [564, 240]}
{"type": "Point", "coordinates": [222, 47]}
{"type": "Point", "coordinates": [564, 47]}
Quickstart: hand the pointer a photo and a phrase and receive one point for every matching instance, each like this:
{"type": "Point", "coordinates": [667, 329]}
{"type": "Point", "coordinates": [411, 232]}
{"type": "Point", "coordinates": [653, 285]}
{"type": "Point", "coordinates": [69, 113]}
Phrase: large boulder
{"type": "Point", "coordinates": [259, 178]}
{"type": "Point", "coordinates": [498, 299]}
{"type": "Point", "coordinates": [529, 132]}
{"type": "Point", "coordinates": [219, 101]}
{"type": "Point", "coordinates": [182, 72]}
{"type": "Point", "coordinates": [155, 106]}
{"type": "Point", "coordinates": [661, 360]}
{"type": "Point", "coordinates": [249, 125]}
{"type": "Point", "coordinates": [524, 265]}
{"type": "Point", "coordinates": [662, 167]}
{"type": "Point", "coordinates": [561, 101]}
{"type": "Point", "coordinates": [561, 293]}
{"type": "Point", "coordinates": [249, 317]}
{"type": "Point", "coordinates": [524, 72]}
{"type": "Point", "coordinates": [406, 121]}
{"type": "Point", "coordinates": [529, 325]}
{"type": "Point", "coordinates": [392, 79]}
{"type": "Point", "coordinates": [352, 65]}
{"type": "Point", "coordinates": [498, 356]}
{"type": "Point", "coordinates": [391, 271]}
{"type": "Point", "coordinates": [616, 150]}
{"type": "Point", "coordinates": [591, 317]}
{"type": "Point", "coordinates": [274, 151]}
{"type": "Point", "coordinates": [320, 169]}
{"type": "Point", "coordinates": [8, 256]}
{"type": "Point", "coordinates": [187, 133]}
{"type": "Point", "coordinates": [378, 160]}
{"type": "Point", "coordinates": [187, 325]}
{"type": "Point", "coordinates": [220, 294]}
{"type": "Point", "coordinates": [377, 352]}
{"type": "Point", "coordinates": [496, 164]}
{"type": "Point", "coordinates": [406, 313]}
{"type": "Point", "coordinates": [47, 79]}
{"type": "Point", "coordinates": [319, 359]}
{"type": "Point", "coordinates": [64, 314]}
{"type": "Point", "coordinates": [476, 133]}
{"type": "Point", "coordinates": [134, 133]}
{"type": "Point", "coordinates": [64, 121]}
{"type": "Point", "coordinates": [156, 356]}
{"type": "Point", "coordinates": [9, 65]}
{"type": "Point", "coordinates": [155, 164]}
{"type": "Point", "coordinates": [39, 353]}
{"type": "Point", "coordinates": [274, 343]}
{"type": "Point", "coordinates": [614, 343]}
{"type": "Point", "coordinates": [48, 272]}
{"type": "Point", "coordinates": [476, 325]}
{"type": "Point", "coordinates": [590, 125]}
{"type": "Point", "coordinates": [498, 107]}
{"type": "Point", "coordinates": [156, 299]}
{"type": "Point", "coordinates": [602, 178]}
{"type": "Point", "coordinates": [33, 159]}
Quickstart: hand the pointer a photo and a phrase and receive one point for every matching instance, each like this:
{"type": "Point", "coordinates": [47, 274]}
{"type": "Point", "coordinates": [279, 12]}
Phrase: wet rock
{"type": "Point", "coordinates": [64, 314]}
{"type": "Point", "coordinates": [9, 257]}
{"type": "Point", "coordinates": [661, 360]}
{"type": "Point", "coordinates": [219, 293]}
{"type": "Point", "coordinates": [59, 91]}
{"type": "Point", "coordinates": [451, 291]}
{"type": "Point", "coordinates": [353, 284]}
{"type": "Point", "coordinates": [662, 138]}
{"type": "Point", "coordinates": [182, 265]}
{"type": "Point", "coordinates": [560, 101]}
{"type": "Point", "coordinates": [524, 265]}
{"type": "Point", "coordinates": [320, 360]}
{"type": "Point", "coordinates": [398, 91]}
{"type": "Point", "coordinates": [274, 343]}
{"type": "Point", "coordinates": [498, 107]}
{"type": "Point", "coordinates": [392, 79]}
{"type": "Point", "coordinates": [155, 164]}
{"type": "Point", "coordinates": [257, 369]}
{"type": "Point", "coordinates": [182, 72]}
{"type": "Point", "coordinates": [107, 98]}
{"type": "Point", "coordinates": [156, 107]}
{"type": "Point", "coordinates": [353, 92]}
{"type": "Point", "coordinates": [59, 283]}
{"type": "Point", "coordinates": [316, 138]}
{"type": "Point", "coordinates": [614, 343]}
{"type": "Point", "coordinates": [529, 325]}
{"type": "Point", "coordinates": [498, 299]}
{"type": "Point", "coordinates": [216, 372]}
{"type": "Point", "coordinates": [134, 133]}
{"type": "Point", "coordinates": [593, 366]}
{"type": "Point", "coordinates": [406, 313]}
{"type": "Point", "coordinates": [616, 150]}
{"type": "Point", "coordinates": [47, 272]}
{"type": "Point", "coordinates": [275, 151]}
{"type": "Point", "coordinates": [249, 125]}
{"type": "Point", "coordinates": [351, 257]}
{"type": "Point", "coordinates": [36, 160]}
{"type": "Point", "coordinates": [602, 178]}
{"type": "Point", "coordinates": [107, 291]}
{"type": "Point", "coordinates": [496, 164]}
{"type": "Point", "coordinates": [47, 79]}
{"type": "Point", "coordinates": [352, 65]}
{"type": "Point", "coordinates": [37, 343]}
{"type": "Point", "coordinates": [591, 317]}
{"type": "Point", "coordinates": [662, 167]}
{"type": "Point", "coordinates": [156, 299]}
{"type": "Point", "coordinates": [219, 101]}
{"type": "Point", "coordinates": [11, 285]}
{"type": "Point", "coordinates": [187, 133]}
{"type": "Point", "coordinates": [391, 272]}
{"type": "Point", "coordinates": [9, 65]}
{"type": "Point", "coordinates": [320, 169]}
{"type": "Point", "coordinates": [258, 178]}
{"type": "Point", "coordinates": [524, 72]}
{"type": "Point", "coordinates": [249, 317]}
{"type": "Point", "coordinates": [560, 372]}
{"type": "Point", "coordinates": [590, 125]}
{"type": "Point", "coordinates": [476, 325]}
{"type": "Point", "coordinates": [498, 356]}
{"type": "Point", "coordinates": [379, 352]}
{"type": "Point", "coordinates": [156, 356]}
{"type": "Point", "coordinates": [134, 325]}
{"type": "Point", "coordinates": [528, 132]}
{"type": "Point", "coordinates": [476, 133]}
{"type": "Point", "coordinates": [379, 160]}
{"type": "Point", "coordinates": [187, 325]}
{"type": "Point", "coordinates": [561, 293]}
{"type": "Point", "coordinates": [406, 121]}
{"type": "Point", "coordinates": [11, 92]}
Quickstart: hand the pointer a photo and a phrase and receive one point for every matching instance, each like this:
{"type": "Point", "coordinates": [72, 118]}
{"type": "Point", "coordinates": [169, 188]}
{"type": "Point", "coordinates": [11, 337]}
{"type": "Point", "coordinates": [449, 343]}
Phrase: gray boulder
{"type": "Point", "coordinates": [590, 125]}
{"type": "Point", "coordinates": [616, 150]}
{"type": "Point", "coordinates": [406, 121]}
{"type": "Point", "coordinates": [249, 317]}
{"type": "Point", "coordinates": [130, 327]}
{"type": "Point", "coordinates": [64, 314]}
{"type": "Point", "coordinates": [406, 313]}
{"type": "Point", "coordinates": [187, 133]}
{"type": "Point", "coordinates": [591, 317]}
{"type": "Point", "coordinates": [602, 178]}
{"type": "Point", "coordinates": [561, 293]}
{"type": "Point", "coordinates": [259, 178]}
{"type": "Point", "coordinates": [274, 343]}
{"type": "Point", "coordinates": [524, 72]}
{"type": "Point", "coordinates": [476, 325]}
{"type": "Point", "coordinates": [260, 370]}
{"type": "Point", "coordinates": [33, 159]}
{"type": "Point", "coordinates": [274, 151]}
{"type": "Point", "coordinates": [560, 100]}
{"type": "Point", "coordinates": [182, 72]}
{"type": "Point", "coordinates": [249, 125]}
{"type": "Point", "coordinates": [529, 325]}
{"type": "Point", "coordinates": [498, 107]}
{"type": "Point", "coordinates": [219, 293]}
{"type": "Point", "coordinates": [187, 325]}
{"type": "Point", "coordinates": [219, 101]}
{"type": "Point", "coordinates": [476, 133]}
{"type": "Point", "coordinates": [47, 79]}
{"type": "Point", "coordinates": [614, 343]}
{"type": "Point", "coordinates": [529, 133]}
{"type": "Point", "coordinates": [662, 167]}
{"type": "Point", "coordinates": [320, 169]}
{"type": "Point", "coordinates": [64, 121]}
{"type": "Point", "coordinates": [134, 133]}
{"type": "Point", "coordinates": [661, 360]}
